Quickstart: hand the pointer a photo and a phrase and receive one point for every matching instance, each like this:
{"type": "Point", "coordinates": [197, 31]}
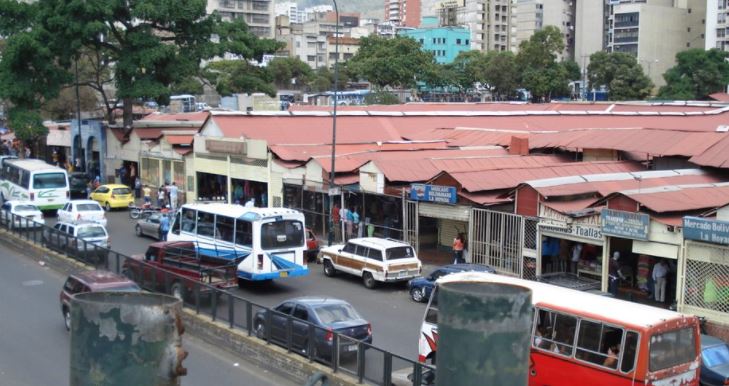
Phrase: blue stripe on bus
{"type": "Point", "coordinates": [301, 271]}
{"type": "Point", "coordinates": [281, 263]}
{"type": "Point", "coordinates": [224, 253]}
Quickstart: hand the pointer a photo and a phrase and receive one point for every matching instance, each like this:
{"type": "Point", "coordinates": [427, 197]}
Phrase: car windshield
{"type": "Point", "coordinates": [92, 231]}
{"type": "Point", "coordinates": [78, 180]}
{"type": "Point", "coordinates": [88, 208]}
{"type": "Point", "coordinates": [26, 208]}
{"type": "Point", "coordinates": [49, 181]}
{"type": "Point", "coordinates": [672, 348]}
{"type": "Point", "coordinates": [333, 313]}
{"type": "Point", "coordinates": [130, 287]}
{"type": "Point", "coordinates": [400, 253]}
{"type": "Point", "coordinates": [121, 191]}
{"type": "Point", "coordinates": [716, 356]}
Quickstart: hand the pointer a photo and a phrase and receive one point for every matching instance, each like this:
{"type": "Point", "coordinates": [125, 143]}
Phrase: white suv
{"type": "Point", "coordinates": [78, 211]}
{"type": "Point", "coordinates": [374, 259]}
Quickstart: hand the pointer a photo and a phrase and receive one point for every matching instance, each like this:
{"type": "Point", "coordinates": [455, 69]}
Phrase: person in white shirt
{"type": "Point", "coordinates": [576, 254]}
{"type": "Point", "coordinates": [660, 271]}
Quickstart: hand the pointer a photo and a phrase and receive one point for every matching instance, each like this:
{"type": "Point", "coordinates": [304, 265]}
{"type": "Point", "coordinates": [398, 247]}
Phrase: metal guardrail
{"type": "Point", "coordinates": [368, 363]}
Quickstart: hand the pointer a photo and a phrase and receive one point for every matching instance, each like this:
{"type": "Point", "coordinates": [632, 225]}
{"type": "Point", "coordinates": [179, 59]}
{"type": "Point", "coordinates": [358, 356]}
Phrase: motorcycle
{"type": "Point", "coordinates": [144, 211]}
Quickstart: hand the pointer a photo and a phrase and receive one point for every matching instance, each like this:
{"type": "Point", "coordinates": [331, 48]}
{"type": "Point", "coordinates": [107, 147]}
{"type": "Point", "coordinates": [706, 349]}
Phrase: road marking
{"type": "Point", "coordinates": [31, 283]}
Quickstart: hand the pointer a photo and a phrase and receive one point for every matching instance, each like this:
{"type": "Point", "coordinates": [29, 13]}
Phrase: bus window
{"type": "Point", "coordinates": [205, 224]}
{"type": "Point", "coordinates": [188, 220]}
{"type": "Point", "coordinates": [282, 234]}
{"type": "Point", "coordinates": [25, 180]}
{"type": "Point", "coordinates": [224, 226]}
{"type": "Point", "coordinates": [630, 348]}
{"type": "Point", "coordinates": [672, 348]}
{"type": "Point", "coordinates": [243, 233]}
{"type": "Point", "coordinates": [49, 181]}
{"type": "Point", "coordinates": [176, 224]}
{"type": "Point", "coordinates": [558, 331]}
{"type": "Point", "coordinates": [599, 343]}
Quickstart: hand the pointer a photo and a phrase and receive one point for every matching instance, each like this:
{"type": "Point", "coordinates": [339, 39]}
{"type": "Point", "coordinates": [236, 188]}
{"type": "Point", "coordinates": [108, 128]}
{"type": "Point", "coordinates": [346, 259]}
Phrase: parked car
{"type": "Point", "coordinates": [21, 214]}
{"type": "Point", "coordinates": [92, 281]}
{"type": "Point", "coordinates": [78, 211]}
{"type": "Point", "coordinates": [714, 361]}
{"type": "Point", "coordinates": [66, 237]}
{"type": "Point", "coordinates": [149, 226]}
{"type": "Point", "coordinates": [420, 288]}
{"type": "Point", "coordinates": [170, 258]}
{"type": "Point", "coordinates": [374, 259]}
{"type": "Point", "coordinates": [113, 196]}
{"type": "Point", "coordinates": [77, 183]}
{"type": "Point", "coordinates": [332, 315]}
{"type": "Point", "coordinates": [312, 245]}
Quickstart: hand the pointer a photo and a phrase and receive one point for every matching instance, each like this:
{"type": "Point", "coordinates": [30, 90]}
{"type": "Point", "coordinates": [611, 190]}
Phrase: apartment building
{"type": "Point", "coordinates": [717, 27]}
{"type": "Point", "coordinates": [654, 31]}
{"type": "Point", "coordinates": [258, 14]}
{"type": "Point", "coordinates": [530, 16]}
{"type": "Point", "coordinates": [403, 13]}
{"type": "Point", "coordinates": [313, 41]}
{"type": "Point", "coordinates": [291, 10]}
{"type": "Point", "coordinates": [444, 42]}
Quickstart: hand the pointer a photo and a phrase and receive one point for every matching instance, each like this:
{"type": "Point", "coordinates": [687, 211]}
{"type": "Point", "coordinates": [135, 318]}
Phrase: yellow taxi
{"type": "Point", "coordinates": [113, 196]}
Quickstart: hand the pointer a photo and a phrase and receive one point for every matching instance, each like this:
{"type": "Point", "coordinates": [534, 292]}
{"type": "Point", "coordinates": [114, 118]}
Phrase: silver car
{"type": "Point", "coordinates": [149, 226]}
{"type": "Point", "coordinates": [21, 214]}
{"type": "Point", "coordinates": [78, 239]}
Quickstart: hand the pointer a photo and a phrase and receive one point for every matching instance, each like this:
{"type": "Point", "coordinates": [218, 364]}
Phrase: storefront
{"type": "Point", "coordinates": [570, 247]}
{"type": "Point", "coordinates": [705, 272]}
{"type": "Point", "coordinates": [635, 245]}
{"type": "Point", "coordinates": [314, 203]}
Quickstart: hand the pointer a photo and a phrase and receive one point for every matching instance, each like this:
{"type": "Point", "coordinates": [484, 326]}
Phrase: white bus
{"type": "Point", "coordinates": [269, 243]}
{"type": "Point", "coordinates": [46, 186]}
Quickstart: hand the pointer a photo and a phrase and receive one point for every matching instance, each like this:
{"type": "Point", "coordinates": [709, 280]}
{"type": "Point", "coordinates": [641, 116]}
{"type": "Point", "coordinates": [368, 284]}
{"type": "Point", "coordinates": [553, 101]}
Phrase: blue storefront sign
{"type": "Point", "coordinates": [709, 231]}
{"type": "Point", "coordinates": [618, 223]}
{"type": "Point", "coordinates": [433, 193]}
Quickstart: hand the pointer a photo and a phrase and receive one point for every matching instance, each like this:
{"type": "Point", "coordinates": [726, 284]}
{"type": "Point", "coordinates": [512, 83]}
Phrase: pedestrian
{"type": "Point", "coordinates": [336, 218]}
{"type": "Point", "coordinates": [458, 245]}
{"type": "Point", "coordinates": [356, 229]}
{"type": "Point", "coordinates": [576, 254]}
{"type": "Point", "coordinates": [147, 195]}
{"type": "Point", "coordinates": [660, 271]}
{"type": "Point", "coordinates": [137, 188]}
{"type": "Point", "coordinates": [164, 226]}
{"type": "Point", "coordinates": [350, 223]}
{"type": "Point", "coordinates": [173, 195]}
{"type": "Point", "coordinates": [97, 182]}
{"type": "Point", "coordinates": [89, 189]}
{"type": "Point", "coordinates": [161, 197]}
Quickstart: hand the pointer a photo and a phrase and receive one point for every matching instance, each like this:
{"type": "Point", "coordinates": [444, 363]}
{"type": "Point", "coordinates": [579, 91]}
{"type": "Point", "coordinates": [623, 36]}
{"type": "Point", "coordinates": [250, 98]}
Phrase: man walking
{"type": "Point", "coordinates": [660, 271]}
{"type": "Point", "coordinates": [173, 196]}
{"type": "Point", "coordinates": [164, 225]}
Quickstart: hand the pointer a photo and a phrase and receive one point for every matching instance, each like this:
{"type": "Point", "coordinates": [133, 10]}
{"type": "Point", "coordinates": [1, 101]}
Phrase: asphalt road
{"type": "Point", "coordinates": [34, 345]}
{"type": "Point", "coordinates": [394, 317]}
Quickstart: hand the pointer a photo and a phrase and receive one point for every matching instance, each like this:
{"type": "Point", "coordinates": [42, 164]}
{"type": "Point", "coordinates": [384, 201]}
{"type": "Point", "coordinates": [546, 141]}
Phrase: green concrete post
{"type": "Point", "coordinates": [484, 333]}
{"type": "Point", "coordinates": [120, 339]}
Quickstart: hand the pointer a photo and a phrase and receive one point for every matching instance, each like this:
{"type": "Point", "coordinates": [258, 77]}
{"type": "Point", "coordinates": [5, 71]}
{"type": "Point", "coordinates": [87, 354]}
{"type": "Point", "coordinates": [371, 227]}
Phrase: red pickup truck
{"type": "Point", "coordinates": [162, 259]}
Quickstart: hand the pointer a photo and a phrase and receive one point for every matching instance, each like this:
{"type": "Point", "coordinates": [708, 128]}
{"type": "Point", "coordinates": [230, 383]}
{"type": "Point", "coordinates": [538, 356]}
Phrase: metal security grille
{"type": "Point", "coordinates": [705, 289]}
{"type": "Point", "coordinates": [496, 239]}
{"type": "Point", "coordinates": [410, 223]}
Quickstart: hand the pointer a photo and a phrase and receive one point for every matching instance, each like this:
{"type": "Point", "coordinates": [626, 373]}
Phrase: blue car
{"type": "Point", "coordinates": [420, 288]}
{"type": "Point", "coordinates": [714, 361]}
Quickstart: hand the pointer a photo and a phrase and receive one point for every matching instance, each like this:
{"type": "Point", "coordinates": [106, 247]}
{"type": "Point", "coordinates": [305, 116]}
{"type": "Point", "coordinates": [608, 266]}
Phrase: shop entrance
{"type": "Point", "coordinates": [435, 239]}
{"type": "Point", "coordinates": [577, 257]}
{"type": "Point", "coordinates": [632, 274]}
{"type": "Point", "coordinates": [211, 187]}
{"type": "Point", "coordinates": [246, 190]}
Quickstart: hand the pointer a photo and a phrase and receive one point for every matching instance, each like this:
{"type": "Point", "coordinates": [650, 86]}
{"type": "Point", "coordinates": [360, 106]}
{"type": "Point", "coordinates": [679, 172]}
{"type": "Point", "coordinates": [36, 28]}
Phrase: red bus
{"type": "Point", "coordinates": [581, 338]}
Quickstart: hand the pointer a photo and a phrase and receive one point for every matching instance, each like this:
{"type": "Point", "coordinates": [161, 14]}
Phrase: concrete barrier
{"type": "Point", "coordinates": [273, 358]}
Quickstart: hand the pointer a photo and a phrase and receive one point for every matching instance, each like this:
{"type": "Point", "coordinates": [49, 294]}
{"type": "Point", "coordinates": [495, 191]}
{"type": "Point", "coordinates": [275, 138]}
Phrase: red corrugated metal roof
{"type": "Point", "coordinates": [511, 178]}
{"type": "Point", "coordinates": [463, 137]}
{"type": "Point", "coordinates": [304, 152]}
{"type": "Point", "coordinates": [148, 133]}
{"type": "Point", "coordinates": [571, 205]}
{"type": "Point", "coordinates": [716, 156]}
{"type": "Point", "coordinates": [655, 142]}
{"type": "Point", "coordinates": [189, 117]}
{"type": "Point", "coordinates": [407, 170]}
{"type": "Point", "coordinates": [346, 179]}
{"type": "Point", "coordinates": [517, 106]}
{"type": "Point", "coordinates": [720, 96]}
{"type": "Point", "coordinates": [343, 165]}
{"type": "Point", "coordinates": [466, 164]}
{"type": "Point", "coordinates": [183, 150]}
{"type": "Point", "coordinates": [486, 198]}
{"type": "Point", "coordinates": [681, 199]}
{"type": "Point", "coordinates": [179, 139]}
{"type": "Point", "coordinates": [607, 187]}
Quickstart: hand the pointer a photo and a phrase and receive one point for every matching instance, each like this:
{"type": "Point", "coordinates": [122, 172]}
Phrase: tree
{"type": "Point", "coordinates": [469, 67]}
{"type": "Point", "coordinates": [501, 73]}
{"type": "Point", "coordinates": [396, 62]}
{"type": "Point", "coordinates": [696, 75]}
{"type": "Point", "coordinates": [289, 72]}
{"type": "Point", "coordinates": [621, 74]}
{"type": "Point", "coordinates": [64, 105]}
{"type": "Point", "coordinates": [537, 59]}
{"type": "Point", "coordinates": [238, 76]}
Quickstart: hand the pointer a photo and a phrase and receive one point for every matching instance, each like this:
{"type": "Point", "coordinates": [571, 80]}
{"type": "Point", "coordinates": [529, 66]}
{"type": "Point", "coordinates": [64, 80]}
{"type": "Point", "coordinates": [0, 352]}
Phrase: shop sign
{"type": "Point", "coordinates": [586, 232]}
{"type": "Point", "coordinates": [710, 231]}
{"type": "Point", "coordinates": [433, 193]}
{"type": "Point", "coordinates": [225, 147]}
{"type": "Point", "coordinates": [625, 224]}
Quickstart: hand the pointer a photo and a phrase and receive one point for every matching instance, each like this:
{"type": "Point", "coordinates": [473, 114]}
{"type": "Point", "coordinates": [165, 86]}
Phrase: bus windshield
{"type": "Point", "coordinates": [282, 234]}
{"type": "Point", "coordinates": [672, 348]}
{"type": "Point", "coordinates": [49, 181]}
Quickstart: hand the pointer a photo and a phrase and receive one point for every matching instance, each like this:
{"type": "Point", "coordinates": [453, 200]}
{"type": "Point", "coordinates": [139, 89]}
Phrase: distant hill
{"type": "Point", "coordinates": [368, 8]}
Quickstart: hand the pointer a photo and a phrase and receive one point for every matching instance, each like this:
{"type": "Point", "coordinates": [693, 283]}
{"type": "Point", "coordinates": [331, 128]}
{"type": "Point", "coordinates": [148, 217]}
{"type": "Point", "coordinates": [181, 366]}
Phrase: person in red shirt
{"type": "Point", "coordinates": [458, 245]}
{"type": "Point", "coordinates": [336, 224]}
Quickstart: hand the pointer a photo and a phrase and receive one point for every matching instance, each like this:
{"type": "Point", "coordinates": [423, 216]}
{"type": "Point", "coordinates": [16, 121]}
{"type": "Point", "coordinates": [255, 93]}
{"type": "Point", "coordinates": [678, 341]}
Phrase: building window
{"type": "Point", "coordinates": [435, 41]}
{"type": "Point", "coordinates": [422, 41]}
{"type": "Point", "coordinates": [458, 41]}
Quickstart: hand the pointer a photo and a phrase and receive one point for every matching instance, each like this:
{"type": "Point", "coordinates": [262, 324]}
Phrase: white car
{"type": "Point", "coordinates": [21, 214]}
{"type": "Point", "coordinates": [80, 211]}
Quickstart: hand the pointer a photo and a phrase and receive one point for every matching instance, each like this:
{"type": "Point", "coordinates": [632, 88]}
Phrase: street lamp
{"type": "Point", "coordinates": [334, 121]}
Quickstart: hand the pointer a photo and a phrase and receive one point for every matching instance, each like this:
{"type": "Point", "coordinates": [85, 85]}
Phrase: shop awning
{"type": "Point", "coordinates": [179, 139]}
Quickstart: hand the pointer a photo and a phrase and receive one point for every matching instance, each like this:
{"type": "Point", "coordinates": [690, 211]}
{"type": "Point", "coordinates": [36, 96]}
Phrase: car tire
{"type": "Point", "coordinates": [260, 330]}
{"type": "Point", "coordinates": [67, 318]}
{"type": "Point", "coordinates": [329, 269]}
{"type": "Point", "coordinates": [107, 206]}
{"type": "Point", "coordinates": [368, 280]}
{"type": "Point", "coordinates": [138, 231]}
{"type": "Point", "coordinates": [418, 295]}
{"type": "Point", "coordinates": [177, 291]}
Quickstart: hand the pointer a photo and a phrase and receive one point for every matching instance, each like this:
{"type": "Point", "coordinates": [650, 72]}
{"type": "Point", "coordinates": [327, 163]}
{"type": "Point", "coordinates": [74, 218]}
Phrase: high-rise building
{"type": "Point", "coordinates": [717, 27]}
{"type": "Point", "coordinates": [290, 9]}
{"type": "Point", "coordinates": [258, 14]}
{"type": "Point", "coordinates": [654, 31]}
{"type": "Point", "coordinates": [530, 16]}
{"type": "Point", "coordinates": [403, 13]}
